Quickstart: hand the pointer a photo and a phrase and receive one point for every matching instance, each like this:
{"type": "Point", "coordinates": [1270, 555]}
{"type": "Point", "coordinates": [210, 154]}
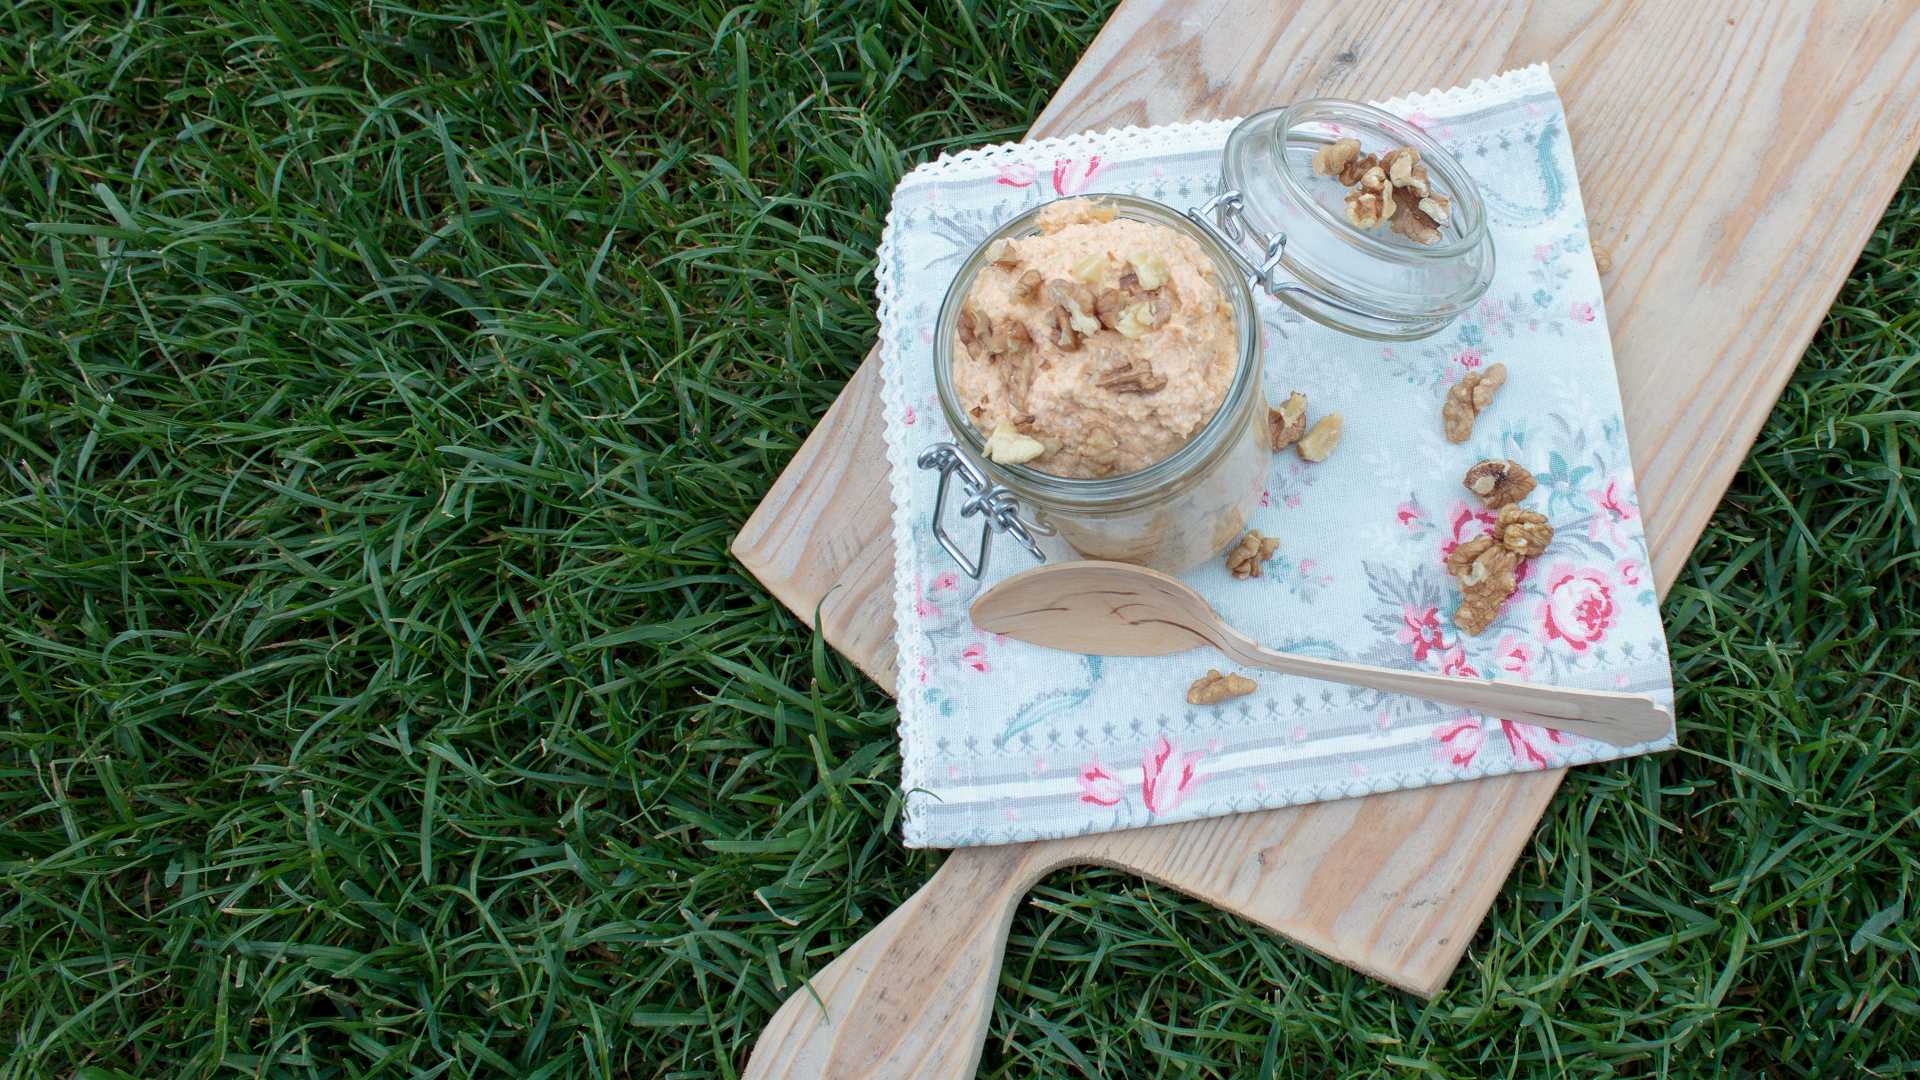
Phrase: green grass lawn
{"type": "Point", "coordinates": [380, 390]}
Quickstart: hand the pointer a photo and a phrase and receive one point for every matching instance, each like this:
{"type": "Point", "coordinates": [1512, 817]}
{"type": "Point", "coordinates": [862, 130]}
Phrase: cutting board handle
{"type": "Point", "coordinates": [912, 997]}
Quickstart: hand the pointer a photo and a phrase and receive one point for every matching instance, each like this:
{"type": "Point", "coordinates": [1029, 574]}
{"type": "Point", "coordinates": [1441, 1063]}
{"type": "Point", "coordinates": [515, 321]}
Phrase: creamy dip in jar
{"type": "Point", "coordinates": [1104, 339]}
{"type": "Point", "coordinates": [1145, 426]}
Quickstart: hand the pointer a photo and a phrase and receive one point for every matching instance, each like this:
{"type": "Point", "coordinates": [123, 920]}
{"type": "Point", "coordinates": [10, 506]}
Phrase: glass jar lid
{"type": "Point", "coordinates": [1290, 225]}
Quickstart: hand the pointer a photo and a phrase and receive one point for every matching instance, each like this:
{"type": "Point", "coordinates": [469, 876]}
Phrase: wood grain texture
{"type": "Point", "coordinates": [1114, 609]}
{"type": "Point", "coordinates": [1711, 300]}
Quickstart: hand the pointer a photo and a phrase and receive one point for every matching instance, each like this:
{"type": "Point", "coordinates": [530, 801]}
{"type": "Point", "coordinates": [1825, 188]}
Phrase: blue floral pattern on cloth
{"type": "Point", "coordinates": [1006, 742]}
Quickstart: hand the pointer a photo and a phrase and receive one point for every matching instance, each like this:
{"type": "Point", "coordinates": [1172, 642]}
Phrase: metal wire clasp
{"type": "Point", "coordinates": [994, 503]}
{"type": "Point", "coordinates": [1221, 218]}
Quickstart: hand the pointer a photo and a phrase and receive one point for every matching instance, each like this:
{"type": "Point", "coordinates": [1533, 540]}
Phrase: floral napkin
{"type": "Point", "coordinates": [1002, 741]}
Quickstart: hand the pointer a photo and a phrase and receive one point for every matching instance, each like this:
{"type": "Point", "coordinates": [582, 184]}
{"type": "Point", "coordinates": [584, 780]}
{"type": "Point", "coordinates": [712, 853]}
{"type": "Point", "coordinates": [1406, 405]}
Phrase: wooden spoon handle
{"type": "Point", "coordinates": [1620, 719]}
{"type": "Point", "coordinates": [912, 997]}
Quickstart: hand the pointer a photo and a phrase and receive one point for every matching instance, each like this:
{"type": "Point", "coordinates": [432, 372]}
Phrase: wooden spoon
{"type": "Point", "coordinates": [1115, 609]}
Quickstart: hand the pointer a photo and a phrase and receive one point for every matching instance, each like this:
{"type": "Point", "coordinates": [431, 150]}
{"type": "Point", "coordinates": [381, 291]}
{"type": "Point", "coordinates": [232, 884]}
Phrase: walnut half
{"type": "Point", "coordinates": [1487, 574]}
{"type": "Point", "coordinates": [1214, 688]}
{"type": "Point", "coordinates": [1321, 439]}
{"type": "Point", "coordinates": [1132, 377]}
{"type": "Point", "coordinates": [1287, 423]}
{"type": "Point", "coordinates": [1253, 549]}
{"type": "Point", "coordinates": [1524, 532]}
{"type": "Point", "coordinates": [1468, 398]}
{"type": "Point", "coordinates": [1499, 483]}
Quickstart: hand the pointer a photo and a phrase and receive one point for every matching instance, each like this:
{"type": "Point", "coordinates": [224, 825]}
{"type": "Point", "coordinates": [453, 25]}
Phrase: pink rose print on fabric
{"type": "Point", "coordinates": [1525, 740]}
{"type": "Point", "coordinates": [923, 607]}
{"type": "Point", "coordinates": [1466, 523]}
{"type": "Point", "coordinates": [1071, 180]}
{"type": "Point", "coordinates": [1514, 656]}
{"type": "Point", "coordinates": [1579, 607]}
{"type": "Point", "coordinates": [1098, 786]}
{"type": "Point", "coordinates": [1292, 501]}
{"type": "Point", "coordinates": [1460, 739]}
{"type": "Point", "coordinates": [945, 582]}
{"type": "Point", "coordinates": [912, 417]}
{"type": "Point", "coordinates": [975, 657]}
{"type": "Point", "coordinates": [1468, 359]}
{"type": "Point", "coordinates": [1615, 508]}
{"type": "Point", "coordinates": [1410, 516]}
{"type": "Point", "coordinates": [1629, 571]}
{"type": "Point", "coordinates": [1017, 175]}
{"type": "Point", "coordinates": [1454, 662]}
{"type": "Point", "coordinates": [1166, 775]}
{"type": "Point", "coordinates": [1420, 629]}
{"type": "Point", "coordinates": [1582, 311]}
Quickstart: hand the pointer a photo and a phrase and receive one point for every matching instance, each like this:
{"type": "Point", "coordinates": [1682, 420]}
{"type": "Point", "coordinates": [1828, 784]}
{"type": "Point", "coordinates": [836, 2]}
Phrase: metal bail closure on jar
{"type": "Point", "coordinates": [1223, 220]}
{"type": "Point", "coordinates": [997, 507]}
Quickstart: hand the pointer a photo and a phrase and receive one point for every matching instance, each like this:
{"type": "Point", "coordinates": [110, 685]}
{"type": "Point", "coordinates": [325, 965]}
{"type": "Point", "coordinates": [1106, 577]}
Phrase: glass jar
{"type": "Point", "coordinates": [1172, 514]}
{"type": "Point", "coordinates": [1369, 283]}
{"type": "Point", "coordinates": [1277, 226]}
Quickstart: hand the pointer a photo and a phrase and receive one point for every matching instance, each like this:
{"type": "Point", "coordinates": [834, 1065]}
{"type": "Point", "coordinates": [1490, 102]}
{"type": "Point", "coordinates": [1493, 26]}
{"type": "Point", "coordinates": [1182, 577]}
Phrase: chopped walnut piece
{"type": "Point", "coordinates": [1499, 483]}
{"type": "Point", "coordinates": [1477, 612]}
{"type": "Point", "coordinates": [1403, 169]}
{"type": "Point", "coordinates": [1463, 554]}
{"type": "Point", "coordinates": [1357, 170]}
{"type": "Point", "coordinates": [1149, 269]}
{"type": "Point", "coordinates": [1008, 447]}
{"type": "Point", "coordinates": [1524, 532]}
{"type": "Point", "coordinates": [1366, 210]}
{"type": "Point", "coordinates": [1004, 255]}
{"type": "Point", "coordinates": [1494, 569]}
{"type": "Point", "coordinates": [1077, 301]}
{"type": "Point", "coordinates": [1468, 398]}
{"type": "Point", "coordinates": [1090, 269]}
{"type": "Point", "coordinates": [1410, 221]}
{"type": "Point", "coordinates": [1252, 550]}
{"type": "Point", "coordinates": [1028, 287]}
{"type": "Point", "coordinates": [1334, 156]}
{"type": "Point", "coordinates": [1437, 207]}
{"type": "Point", "coordinates": [1138, 319]}
{"type": "Point", "coordinates": [1487, 575]}
{"type": "Point", "coordinates": [974, 325]}
{"type": "Point", "coordinates": [1287, 423]}
{"type": "Point", "coordinates": [1320, 440]}
{"type": "Point", "coordinates": [1109, 304]}
{"type": "Point", "coordinates": [1374, 179]}
{"type": "Point", "coordinates": [1131, 377]}
{"type": "Point", "coordinates": [1098, 446]}
{"type": "Point", "coordinates": [1064, 335]}
{"type": "Point", "coordinates": [1214, 688]}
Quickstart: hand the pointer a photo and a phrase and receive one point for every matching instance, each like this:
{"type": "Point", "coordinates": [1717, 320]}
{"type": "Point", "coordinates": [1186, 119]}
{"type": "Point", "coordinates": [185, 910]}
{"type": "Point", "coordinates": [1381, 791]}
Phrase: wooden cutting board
{"type": "Point", "coordinates": [1733, 157]}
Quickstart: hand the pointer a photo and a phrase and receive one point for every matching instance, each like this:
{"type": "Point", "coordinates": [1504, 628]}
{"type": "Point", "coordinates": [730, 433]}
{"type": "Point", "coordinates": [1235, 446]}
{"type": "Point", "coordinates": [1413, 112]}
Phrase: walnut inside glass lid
{"type": "Point", "coordinates": [1393, 188]}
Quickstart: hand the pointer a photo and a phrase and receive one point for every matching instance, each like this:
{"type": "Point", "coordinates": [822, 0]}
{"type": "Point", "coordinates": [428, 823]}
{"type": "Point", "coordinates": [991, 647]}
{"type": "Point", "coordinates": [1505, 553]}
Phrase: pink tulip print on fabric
{"type": "Point", "coordinates": [1003, 742]}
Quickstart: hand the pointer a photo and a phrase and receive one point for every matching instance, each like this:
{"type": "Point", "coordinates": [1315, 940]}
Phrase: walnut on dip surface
{"type": "Point", "coordinates": [1103, 339]}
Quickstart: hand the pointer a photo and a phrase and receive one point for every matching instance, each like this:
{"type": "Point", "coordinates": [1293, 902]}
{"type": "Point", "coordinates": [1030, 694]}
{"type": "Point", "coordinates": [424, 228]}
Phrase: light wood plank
{"type": "Point", "coordinates": [1714, 293]}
